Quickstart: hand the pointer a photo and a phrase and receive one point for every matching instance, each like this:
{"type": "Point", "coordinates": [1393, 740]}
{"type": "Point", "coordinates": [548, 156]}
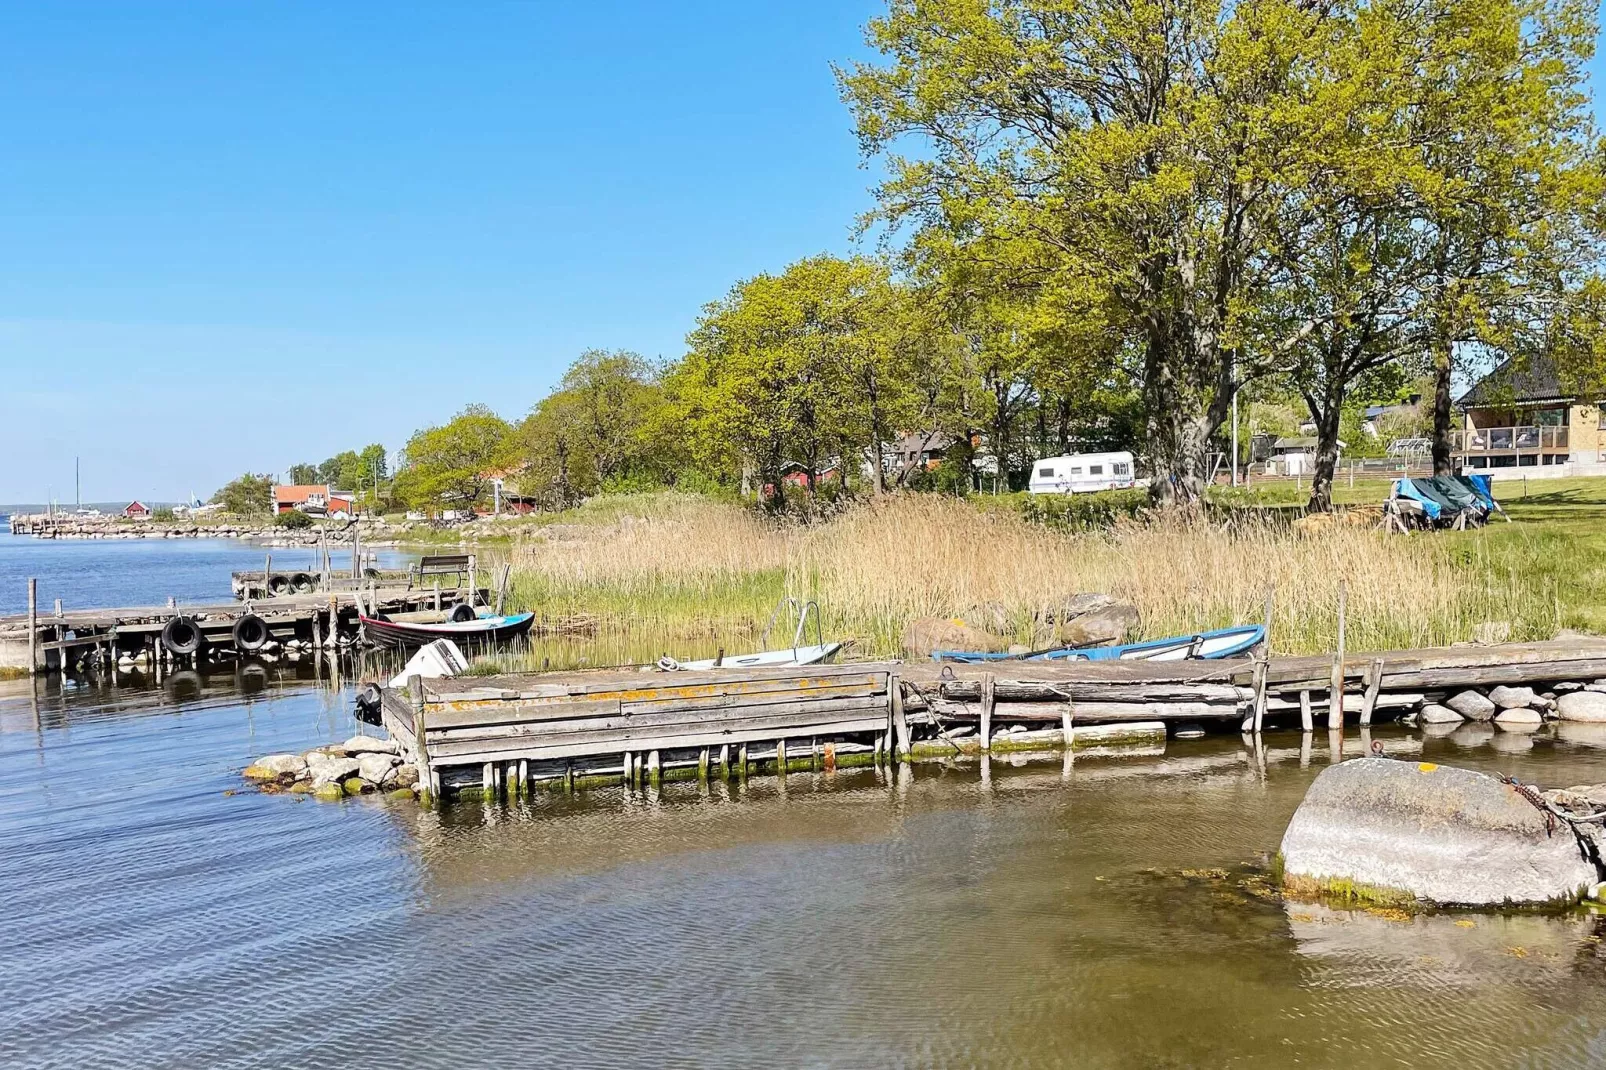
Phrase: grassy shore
{"type": "Point", "coordinates": [693, 574]}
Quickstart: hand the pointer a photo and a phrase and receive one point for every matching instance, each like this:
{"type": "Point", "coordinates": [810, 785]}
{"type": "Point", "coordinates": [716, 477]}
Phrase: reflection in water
{"type": "Point", "coordinates": [1032, 913]}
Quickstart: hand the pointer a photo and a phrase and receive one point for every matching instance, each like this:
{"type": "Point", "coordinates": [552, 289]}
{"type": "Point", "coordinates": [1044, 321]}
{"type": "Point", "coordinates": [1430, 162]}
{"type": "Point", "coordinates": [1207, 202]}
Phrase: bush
{"type": "Point", "coordinates": [1084, 512]}
{"type": "Point", "coordinates": [295, 520]}
{"type": "Point", "coordinates": [164, 515]}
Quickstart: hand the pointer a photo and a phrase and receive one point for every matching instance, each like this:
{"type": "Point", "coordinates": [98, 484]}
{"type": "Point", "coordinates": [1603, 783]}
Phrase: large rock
{"type": "Point", "coordinates": [360, 745]}
{"type": "Point", "coordinates": [285, 767]}
{"type": "Point", "coordinates": [1519, 720]}
{"type": "Point", "coordinates": [376, 768]}
{"type": "Point", "coordinates": [927, 635]}
{"type": "Point", "coordinates": [1087, 620]}
{"type": "Point", "coordinates": [1581, 706]}
{"type": "Point", "coordinates": [1512, 698]}
{"type": "Point", "coordinates": [1472, 706]}
{"type": "Point", "coordinates": [1378, 827]}
{"type": "Point", "coordinates": [325, 770]}
{"type": "Point", "coordinates": [1433, 713]}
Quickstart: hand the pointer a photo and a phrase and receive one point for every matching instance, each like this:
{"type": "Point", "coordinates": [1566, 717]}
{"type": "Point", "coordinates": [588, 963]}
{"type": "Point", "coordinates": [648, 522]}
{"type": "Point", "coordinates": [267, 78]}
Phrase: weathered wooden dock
{"type": "Point", "coordinates": [505, 734]}
{"type": "Point", "coordinates": [58, 639]}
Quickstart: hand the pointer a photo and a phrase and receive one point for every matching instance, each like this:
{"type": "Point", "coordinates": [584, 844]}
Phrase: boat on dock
{"type": "Point", "coordinates": [1209, 646]}
{"type": "Point", "coordinates": [799, 653]}
{"type": "Point", "coordinates": [474, 631]}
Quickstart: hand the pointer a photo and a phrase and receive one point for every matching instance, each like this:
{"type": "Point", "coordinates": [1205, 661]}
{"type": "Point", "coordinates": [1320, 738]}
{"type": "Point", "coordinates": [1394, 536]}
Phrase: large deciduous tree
{"type": "Point", "coordinates": [452, 465]}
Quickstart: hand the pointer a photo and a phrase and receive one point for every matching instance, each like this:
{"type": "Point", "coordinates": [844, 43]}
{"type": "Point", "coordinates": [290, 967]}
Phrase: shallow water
{"type": "Point", "coordinates": [157, 915]}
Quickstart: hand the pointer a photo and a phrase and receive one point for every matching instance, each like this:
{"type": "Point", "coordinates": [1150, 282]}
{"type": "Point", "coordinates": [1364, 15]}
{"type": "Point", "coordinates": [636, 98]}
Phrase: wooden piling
{"type": "Point", "coordinates": [900, 723]}
{"type": "Point", "coordinates": [725, 761]}
{"type": "Point", "coordinates": [1066, 725]}
{"type": "Point", "coordinates": [524, 776]}
{"type": "Point", "coordinates": [1306, 722]}
{"type": "Point", "coordinates": [33, 625]}
{"type": "Point", "coordinates": [702, 766]}
{"type": "Point", "coordinates": [1261, 666]}
{"type": "Point", "coordinates": [986, 712]}
{"type": "Point", "coordinates": [741, 763]}
{"type": "Point", "coordinates": [629, 769]}
{"type": "Point", "coordinates": [1335, 697]}
{"type": "Point", "coordinates": [1374, 684]}
{"type": "Point", "coordinates": [415, 691]}
{"type": "Point", "coordinates": [780, 757]}
{"type": "Point", "coordinates": [655, 771]}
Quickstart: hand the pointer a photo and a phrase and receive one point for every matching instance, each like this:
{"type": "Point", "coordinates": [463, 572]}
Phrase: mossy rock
{"type": "Point", "coordinates": [401, 793]}
{"type": "Point", "coordinates": [356, 786]}
{"type": "Point", "coordinates": [300, 787]}
{"type": "Point", "coordinates": [257, 772]}
{"type": "Point", "coordinates": [329, 791]}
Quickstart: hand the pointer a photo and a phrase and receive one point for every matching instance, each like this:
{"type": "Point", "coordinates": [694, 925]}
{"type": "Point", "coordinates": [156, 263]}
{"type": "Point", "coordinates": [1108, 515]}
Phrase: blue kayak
{"type": "Point", "coordinates": [1222, 643]}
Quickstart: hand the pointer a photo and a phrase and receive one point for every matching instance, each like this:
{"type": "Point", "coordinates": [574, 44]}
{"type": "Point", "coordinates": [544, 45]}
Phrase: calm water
{"type": "Point", "coordinates": [87, 573]}
{"type": "Point", "coordinates": [153, 914]}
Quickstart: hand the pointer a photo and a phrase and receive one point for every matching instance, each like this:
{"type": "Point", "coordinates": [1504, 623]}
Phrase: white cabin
{"type": "Point", "coordinates": [1082, 472]}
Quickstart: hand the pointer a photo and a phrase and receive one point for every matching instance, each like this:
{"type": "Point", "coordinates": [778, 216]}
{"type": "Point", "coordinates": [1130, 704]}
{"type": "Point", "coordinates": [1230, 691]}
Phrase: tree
{"type": "Point", "coordinates": [451, 465]}
{"type": "Point", "coordinates": [304, 474]}
{"type": "Point", "coordinates": [249, 495]}
{"type": "Point", "coordinates": [1135, 151]}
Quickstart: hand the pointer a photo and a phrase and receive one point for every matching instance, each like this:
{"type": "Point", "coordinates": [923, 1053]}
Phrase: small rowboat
{"type": "Point", "coordinates": [768, 659]}
{"type": "Point", "coordinates": [1222, 643]}
{"type": "Point", "coordinates": [478, 631]}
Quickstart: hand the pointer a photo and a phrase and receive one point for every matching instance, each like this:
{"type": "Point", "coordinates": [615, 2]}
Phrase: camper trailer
{"type": "Point", "coordinates": [1082, 472]}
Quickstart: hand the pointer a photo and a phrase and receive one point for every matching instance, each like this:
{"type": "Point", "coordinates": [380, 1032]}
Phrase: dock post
{"type": "Point", "coordinates": [900, 723]}
{"type": "Point", "coordinates": [1262, 666]}
{"type": "Point", "coordinates": [1067, 716]}
{"type": "Point", "coordinates": [725, 761]}
{"type": "Point", "coordinates": [1306, 722]}
{"type": "Point", "coordinates": [875, 757]}
{"type": "Point", "coordinates": [267, 575]}
{"type": "Point", "coordinates": [702, 766]}
{"type": "Point", "coordinates": [488, 782]}
{"type": "Point", "coordinates": [780, 757]}
{"type": "Point", "coordinates": [1335, 701]}
{"type": "Point", "coordinates": [986, 712]}
{"type": "Point", "coordinates": [33, 625]}
{"type": "Point", "coordinates": [741, 764]}
{"type": "Point", "coordinates": [655, 768]}
{"type": "Point", "coordinates": [628, 777]}
{"type": "Point", "coordinates": [524, 776]}
{"type": "Point", "coordinates": [415, 691]}
{"type": "Point", "coordinates": [568, 778]}
{"type": "Point", "coordinates": [437, 594]}
{"type": "Point", "coordinates": [1374, 683]}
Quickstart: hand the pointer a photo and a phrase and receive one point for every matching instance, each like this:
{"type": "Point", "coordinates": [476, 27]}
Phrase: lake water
{"type": "Point", "coordinates": [155, 913]}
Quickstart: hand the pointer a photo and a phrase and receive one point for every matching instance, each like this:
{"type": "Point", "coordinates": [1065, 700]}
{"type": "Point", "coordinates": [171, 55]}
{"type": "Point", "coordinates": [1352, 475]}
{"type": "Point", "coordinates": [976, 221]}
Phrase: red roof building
{"type": "Point", "coordinates": [137, 511]}
{"type": "Point", "coordinates": [318, 499]}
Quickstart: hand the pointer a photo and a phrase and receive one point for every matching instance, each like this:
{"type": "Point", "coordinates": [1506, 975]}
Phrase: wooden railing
{"type": "Point", "coordinates": [1508, 439]}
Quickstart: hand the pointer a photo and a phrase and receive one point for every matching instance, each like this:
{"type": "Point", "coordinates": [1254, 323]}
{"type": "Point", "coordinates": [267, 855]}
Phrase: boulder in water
{"type": "Point", "coordinates": [1472, 706]}
{"type": "Point", "coordinates": [1394, 830]}
{"type": "Point", "coordinates": [1581, 706]}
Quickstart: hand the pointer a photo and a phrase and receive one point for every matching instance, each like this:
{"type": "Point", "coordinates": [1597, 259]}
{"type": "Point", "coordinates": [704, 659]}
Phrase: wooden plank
{"type": "Point", "coordinates": [496, 713]}
{"type": "Point", "coordinates": [781, 716]}
{"type": "Point", "coordinates": [690, 740]}
{"type": "Point", "coordinates": [1096, 712]}
{"type": "Point", "coordinates": [648, 736]}
{"type": "Point", "coordinates": [1012, 690]}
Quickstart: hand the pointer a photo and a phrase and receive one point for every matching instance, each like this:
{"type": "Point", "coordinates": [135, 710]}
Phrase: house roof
{"type": "Point", "coordinates": [132, 507]}
{"type": "Point", "coordinates": [1517, 382]}
{"type": "Point", "coordinates": [297, 493]}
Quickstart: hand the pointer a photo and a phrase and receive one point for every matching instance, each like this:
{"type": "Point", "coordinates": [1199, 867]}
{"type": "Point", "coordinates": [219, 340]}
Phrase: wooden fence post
{"type": "Point", "coordinates": [986, 712]}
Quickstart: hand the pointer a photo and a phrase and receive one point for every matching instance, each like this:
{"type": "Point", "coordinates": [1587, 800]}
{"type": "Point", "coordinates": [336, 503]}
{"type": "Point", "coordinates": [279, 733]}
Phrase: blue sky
{"type": "Point", "coordinates": [238, 235]}
{"type": "Point", "coordinates": [358, 217]}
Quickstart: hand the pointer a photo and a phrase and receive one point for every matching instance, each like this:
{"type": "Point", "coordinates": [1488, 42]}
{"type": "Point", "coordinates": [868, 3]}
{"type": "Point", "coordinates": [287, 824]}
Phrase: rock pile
{"type": "Point", "coordinates": [1519, 709]}
{"type": "Point", "coordinates": [360, 765]}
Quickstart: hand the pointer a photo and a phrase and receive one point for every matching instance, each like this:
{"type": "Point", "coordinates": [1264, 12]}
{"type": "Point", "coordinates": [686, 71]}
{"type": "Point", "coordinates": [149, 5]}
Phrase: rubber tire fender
{"type": "Point", "coordinates": [181, 636]}
{"type": "Point", "coordinates": [462, 613]}
{"type": "Point", "coordinates": [302, 583]}
{"type": "Point", "coordinates": [250, 633]}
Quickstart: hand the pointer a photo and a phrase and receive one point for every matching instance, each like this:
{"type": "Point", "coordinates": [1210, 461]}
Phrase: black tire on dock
{"type": "Point", "coordinates": [181, 636]}
{"type": "Point", "coordinates": [278, 585]}
{"type": "Point", "coordinates": [461, 613]}
{"type": "Point", "coordinates": [250, 633]}
{"type": "Point", "coordinates": [303, 583]}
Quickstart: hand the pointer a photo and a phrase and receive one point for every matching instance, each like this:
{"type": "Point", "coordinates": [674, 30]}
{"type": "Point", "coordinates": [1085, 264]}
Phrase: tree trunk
{"type": "Point", "coordinates": [878, 468]}
{"type": "Point", "coordinates": [1177, 434]}
{"type": "Point", "coordinates": [1443, 414]}
{"type": "Point", "coordinates": [1327, 416]}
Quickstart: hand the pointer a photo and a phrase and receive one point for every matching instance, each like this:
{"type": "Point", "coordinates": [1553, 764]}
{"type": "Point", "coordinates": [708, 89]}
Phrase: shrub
{"type": "Point", "coordinates": [1084, 512]}
{"type": "Point", "coordinates": [295, 520]}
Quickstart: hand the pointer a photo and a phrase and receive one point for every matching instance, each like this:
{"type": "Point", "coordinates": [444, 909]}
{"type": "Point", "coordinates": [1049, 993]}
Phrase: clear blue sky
{"type": "Point", "coordinates": [240, 235]}
{"type": "Point", "coordinates": [234, 236]}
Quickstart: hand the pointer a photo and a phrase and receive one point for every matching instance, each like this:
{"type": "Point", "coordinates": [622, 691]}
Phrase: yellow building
{"type": "Point", "coordinates": [1521, 417]}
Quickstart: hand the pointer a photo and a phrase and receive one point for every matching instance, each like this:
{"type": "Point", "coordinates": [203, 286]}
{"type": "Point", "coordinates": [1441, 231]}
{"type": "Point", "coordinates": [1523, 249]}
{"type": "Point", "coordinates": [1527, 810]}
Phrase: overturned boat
{"type": "Point", "coordinates": [473, 631]}
{"type": "Point", "coordinates": [1221, 643]}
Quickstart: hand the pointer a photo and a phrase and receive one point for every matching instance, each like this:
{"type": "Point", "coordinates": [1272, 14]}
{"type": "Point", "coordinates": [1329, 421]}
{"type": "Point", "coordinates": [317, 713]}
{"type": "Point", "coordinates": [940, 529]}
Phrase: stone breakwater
{"type": "Point", "coordinates": [372, 532]}
{"type": "Point", "coordinates": [1516, 709]}
{"type": "Point", "coordinates": [362, 765]}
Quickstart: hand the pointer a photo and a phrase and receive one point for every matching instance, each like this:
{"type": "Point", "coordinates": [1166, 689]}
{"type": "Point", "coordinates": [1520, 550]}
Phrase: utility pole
{"type": "Point", "coordinates": [77, 486]}
{"type": "Point", "coordinates": [1235, 436]}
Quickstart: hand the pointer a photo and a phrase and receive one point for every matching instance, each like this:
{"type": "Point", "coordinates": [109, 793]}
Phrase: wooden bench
{"type": "Point", "coordinates": [457, 565]}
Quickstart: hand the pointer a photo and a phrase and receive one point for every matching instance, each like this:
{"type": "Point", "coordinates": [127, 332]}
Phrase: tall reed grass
{"type": "Point", "coordinates": [703, 572]}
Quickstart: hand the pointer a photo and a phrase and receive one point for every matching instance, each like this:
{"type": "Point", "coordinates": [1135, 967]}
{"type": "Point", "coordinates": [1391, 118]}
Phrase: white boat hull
{"type": "Point", "coordinates": [768, 659]}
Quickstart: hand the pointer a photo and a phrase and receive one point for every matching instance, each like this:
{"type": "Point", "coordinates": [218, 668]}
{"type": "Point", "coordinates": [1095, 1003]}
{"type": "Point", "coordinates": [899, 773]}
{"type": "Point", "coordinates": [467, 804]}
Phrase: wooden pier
{"type": "Point", "coordinates": [59, 639]}
{"type": "Point", "coordinates": [506, 734]}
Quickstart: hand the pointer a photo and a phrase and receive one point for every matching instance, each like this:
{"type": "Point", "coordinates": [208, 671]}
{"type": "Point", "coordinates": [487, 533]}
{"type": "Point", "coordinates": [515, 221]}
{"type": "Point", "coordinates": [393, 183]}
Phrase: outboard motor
{"type": "Point", "coordinates": [369, 698]}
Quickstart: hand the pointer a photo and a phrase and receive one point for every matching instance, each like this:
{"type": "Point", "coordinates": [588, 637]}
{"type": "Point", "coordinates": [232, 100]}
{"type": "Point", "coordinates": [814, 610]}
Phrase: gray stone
{"type": "Point", "coordinates": [325, 770]}
{"type": "Point", "coordinates": [1433, 713]}
{"type": "Point", "coordinates": [1424, 831]}
{"type": "Point", "coordinates": [1519, 720]}
{"type": "Point", "coordinates": [1582, 706]}
{"type": "Point", "coordinates": [1567, 685]}
{"type": "Point", "coordinates": [375, 768]}
{"type": "Point", "coordinates": [1512, 698]}
{"type": "Point", "coordinates": [1188, 731]}
{"type": "Point", "coordinates": [282, 764]}
{"type": "Point", "coordinates": [927, 635]}
{"type": "Point", "coordinates": [358, 745]}
{"type": "Point", "coordinates": [404, 776]}
{"type": "Point", "coordinates": [1112, 624]}
{"type": "Point", "coordinates": [1472, 706]}
{"type": "Point", "coordinates": [1440, 729]}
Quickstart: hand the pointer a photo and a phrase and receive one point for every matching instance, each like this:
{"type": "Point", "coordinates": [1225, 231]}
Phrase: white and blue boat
{"type": "Point", "coordinates": [1221, 643]}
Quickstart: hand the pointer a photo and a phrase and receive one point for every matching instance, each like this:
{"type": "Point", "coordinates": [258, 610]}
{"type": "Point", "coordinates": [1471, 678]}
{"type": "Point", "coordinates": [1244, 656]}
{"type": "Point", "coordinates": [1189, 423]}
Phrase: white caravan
{"type": "Point", "coordinates": [1082, 472]}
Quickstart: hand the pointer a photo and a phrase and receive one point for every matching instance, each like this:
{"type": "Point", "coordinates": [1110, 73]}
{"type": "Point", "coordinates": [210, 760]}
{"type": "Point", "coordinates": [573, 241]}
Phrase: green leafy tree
{"type": "Point", "coordinates": [304, 474]}
{"type": "Point", "coordinates": [451, 466]}
{"type": "Point", "coordinates": [249, 495]}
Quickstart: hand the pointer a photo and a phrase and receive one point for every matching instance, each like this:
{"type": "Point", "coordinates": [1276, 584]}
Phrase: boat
{"type": "Point", "coordinates": [799, 653]}
{"type": "Point", "coordinates": [476, 631]}
{"type": "Point", "coordinates": [1222, 643]}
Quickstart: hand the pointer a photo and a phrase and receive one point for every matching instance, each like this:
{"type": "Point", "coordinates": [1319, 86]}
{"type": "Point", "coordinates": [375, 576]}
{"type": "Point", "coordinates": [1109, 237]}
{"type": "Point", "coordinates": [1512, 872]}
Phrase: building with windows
{"type": "Point", "coordinates": [1521, 416]}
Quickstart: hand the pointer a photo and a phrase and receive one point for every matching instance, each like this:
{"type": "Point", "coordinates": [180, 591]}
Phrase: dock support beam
{"type": "Point", "coordinates": [900, 723]}
{"type": "Point", "coordinates": [1335, 701]}
{"type": "Point", "coordinates": [415, 691]}
{"type": "Point", "coordinates": [986, 712]}
{"type": "Point", "coordinates": [33, 625]}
